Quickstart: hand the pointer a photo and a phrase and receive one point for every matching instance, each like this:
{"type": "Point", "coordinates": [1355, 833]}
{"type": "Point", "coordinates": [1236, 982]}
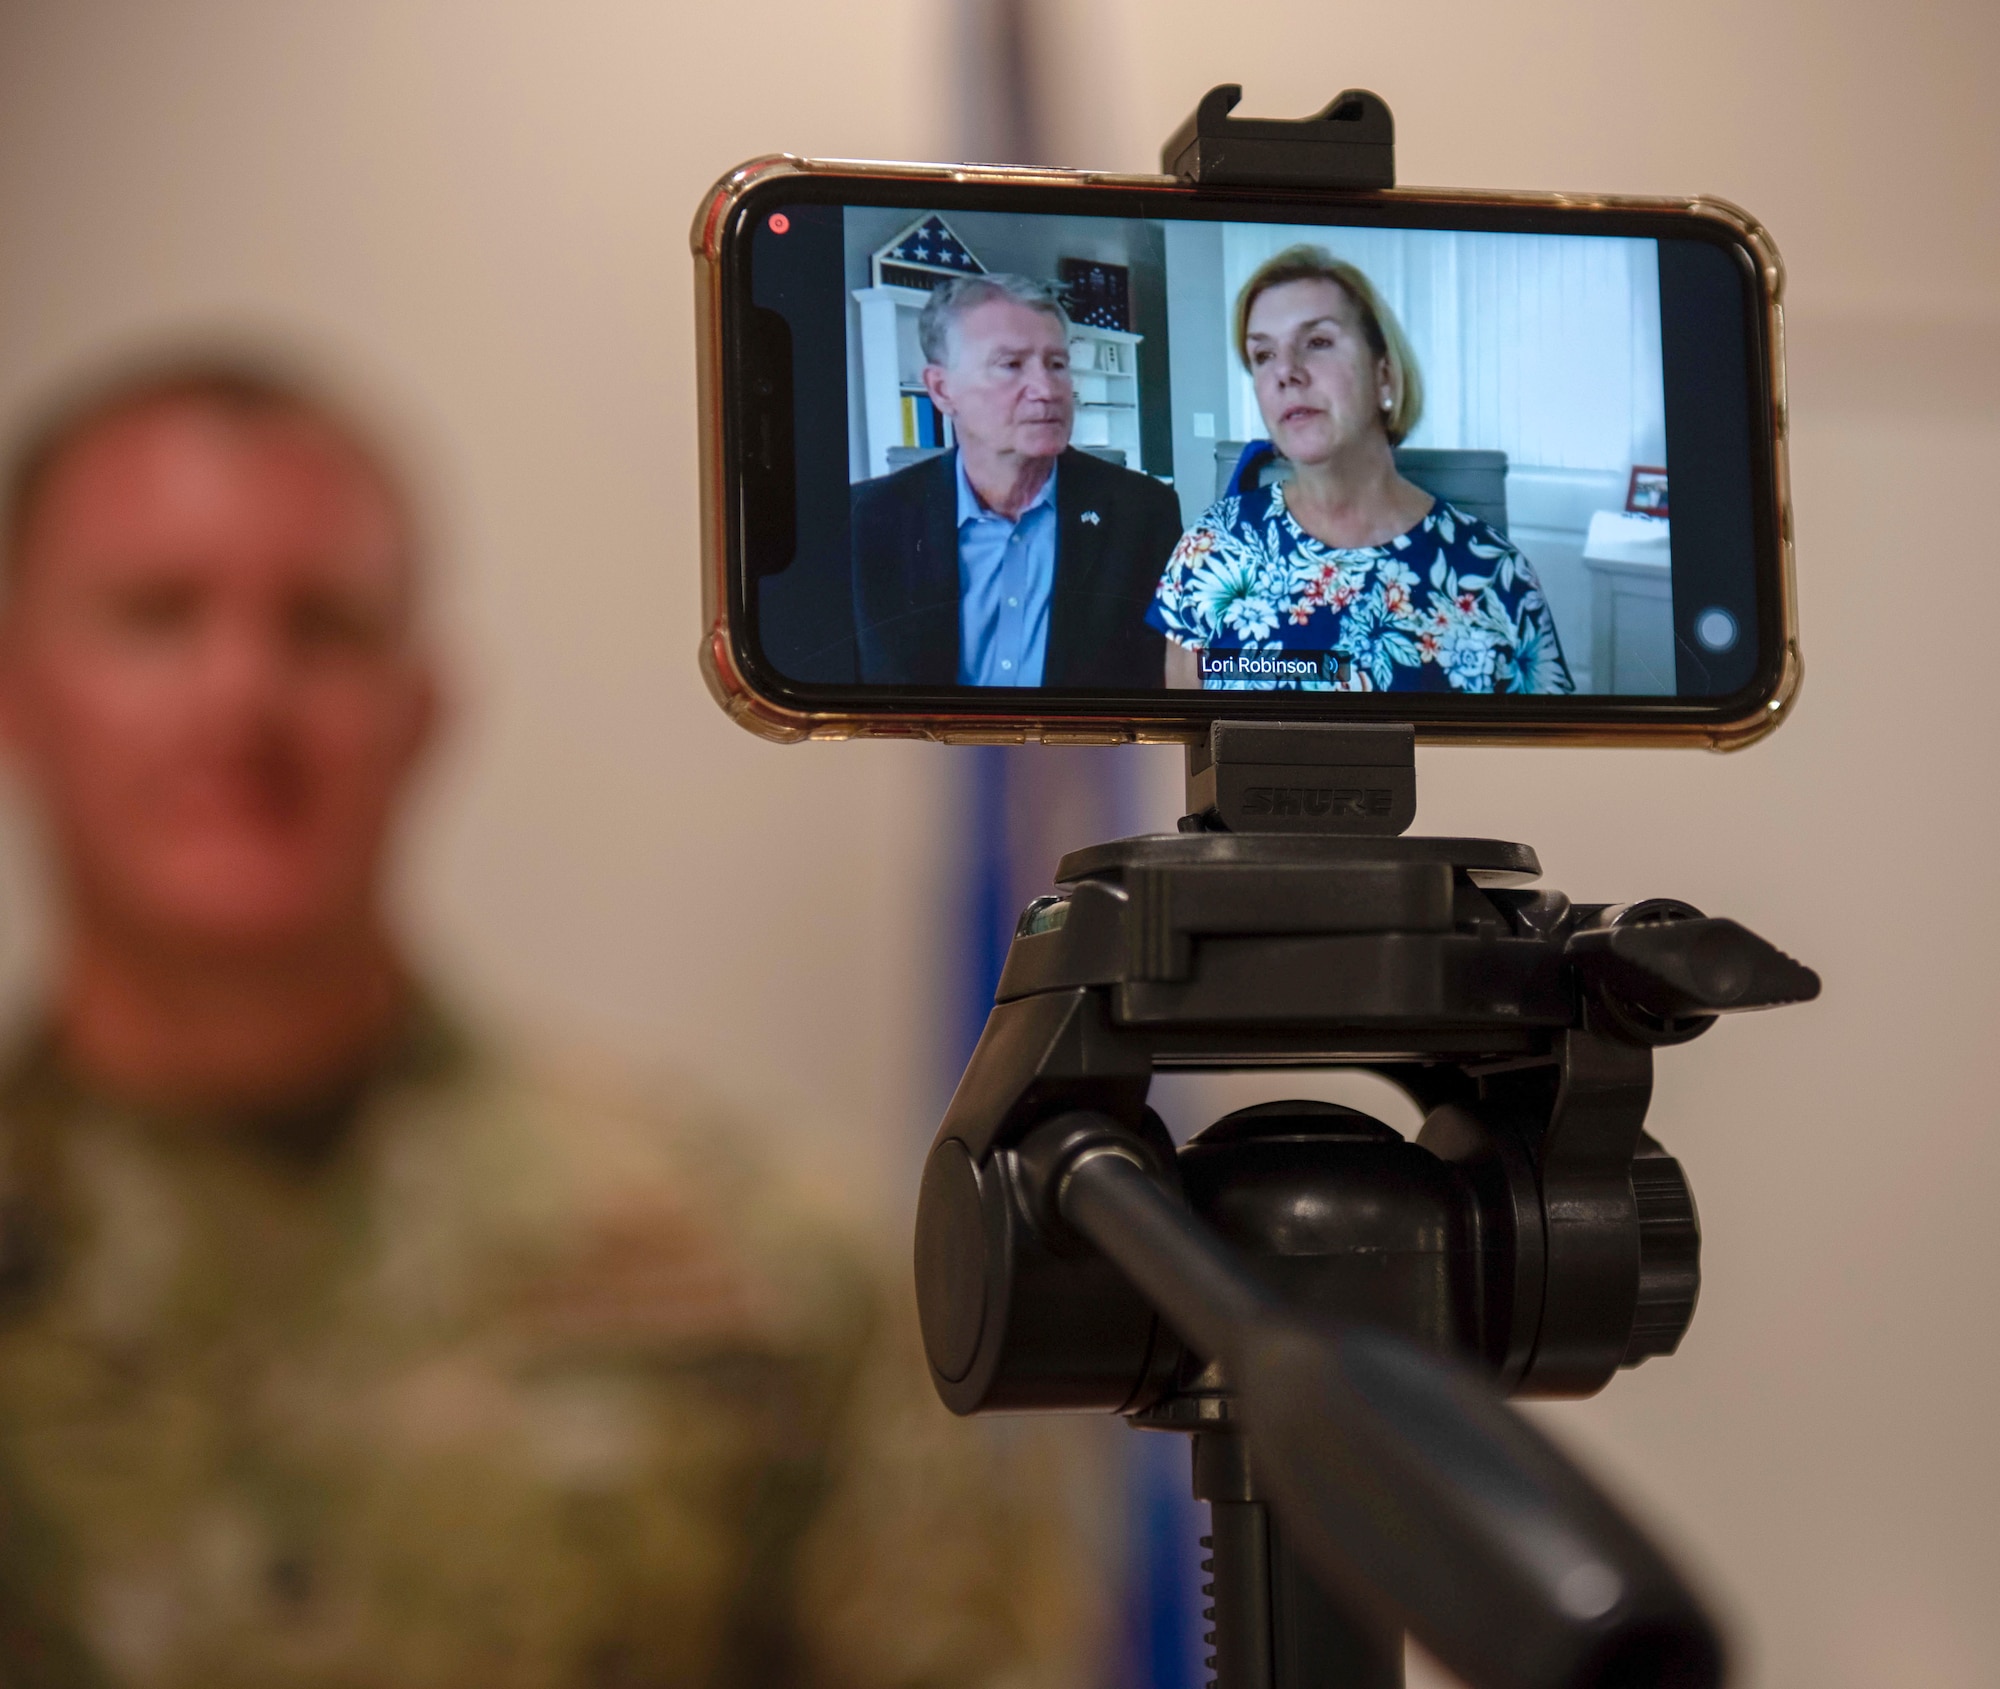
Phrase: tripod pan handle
{"type": "Point", "coordinates": [1413, 1492]}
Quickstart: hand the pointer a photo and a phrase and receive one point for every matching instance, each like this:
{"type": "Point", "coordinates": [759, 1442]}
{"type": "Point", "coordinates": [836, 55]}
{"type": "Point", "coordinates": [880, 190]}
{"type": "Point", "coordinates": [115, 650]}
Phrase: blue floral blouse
{"type": "Point", "coordinates": [1447, 605]}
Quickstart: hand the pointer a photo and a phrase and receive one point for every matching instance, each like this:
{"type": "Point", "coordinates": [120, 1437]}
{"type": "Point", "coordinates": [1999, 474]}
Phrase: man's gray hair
{"type": "Point", "coordinates": [948, 303]}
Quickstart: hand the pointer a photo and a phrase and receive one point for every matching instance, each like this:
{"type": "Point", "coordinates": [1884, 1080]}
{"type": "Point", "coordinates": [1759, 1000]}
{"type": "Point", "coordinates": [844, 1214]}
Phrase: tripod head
{"type": "Point", "coordinates": [1334, 1312]}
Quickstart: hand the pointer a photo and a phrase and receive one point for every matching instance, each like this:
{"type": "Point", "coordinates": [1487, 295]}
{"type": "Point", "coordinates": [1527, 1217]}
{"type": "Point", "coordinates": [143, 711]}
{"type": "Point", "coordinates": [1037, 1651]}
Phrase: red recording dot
{"type": "Point", "coordinates": [779, 223]}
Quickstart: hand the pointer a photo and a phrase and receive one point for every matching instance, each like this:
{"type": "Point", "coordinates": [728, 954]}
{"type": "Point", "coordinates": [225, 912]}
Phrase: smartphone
{"type": "Point", "coordinates": [995, 454]}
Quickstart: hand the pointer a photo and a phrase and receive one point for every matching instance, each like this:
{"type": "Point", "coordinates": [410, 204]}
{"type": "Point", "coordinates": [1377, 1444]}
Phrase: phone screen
{"type": "Point", "coordinates": [993, 449]}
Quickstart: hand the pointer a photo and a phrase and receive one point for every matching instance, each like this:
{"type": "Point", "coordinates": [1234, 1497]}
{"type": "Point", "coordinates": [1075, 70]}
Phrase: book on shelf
{"type": "Point", "coordinates": [923, 423]}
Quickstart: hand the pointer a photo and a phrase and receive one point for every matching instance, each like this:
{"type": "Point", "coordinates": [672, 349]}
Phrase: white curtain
{"type": "Point", "coordinates": [1546, 347]}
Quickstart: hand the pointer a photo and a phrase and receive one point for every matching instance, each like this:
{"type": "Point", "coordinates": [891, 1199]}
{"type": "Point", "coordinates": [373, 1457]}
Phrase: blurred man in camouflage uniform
{"type": "Point", "coordinates": [335, 1350]}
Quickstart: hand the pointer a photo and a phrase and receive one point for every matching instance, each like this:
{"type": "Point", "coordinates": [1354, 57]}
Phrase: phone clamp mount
{"type": "Point", "coordinates": [1331, 1312]}
{"type": "Point", "coordinates": [1351, 144]}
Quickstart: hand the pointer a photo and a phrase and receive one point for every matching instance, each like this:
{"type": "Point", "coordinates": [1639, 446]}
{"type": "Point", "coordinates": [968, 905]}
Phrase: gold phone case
{"type": "Point", "coordinates": [771, 719]}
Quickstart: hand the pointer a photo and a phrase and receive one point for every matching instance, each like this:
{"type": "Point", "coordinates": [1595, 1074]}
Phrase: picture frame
{"type": "Point", "coordinates": [1096, 295]}
{"type": "Point", "coordinates": [1646, 492]}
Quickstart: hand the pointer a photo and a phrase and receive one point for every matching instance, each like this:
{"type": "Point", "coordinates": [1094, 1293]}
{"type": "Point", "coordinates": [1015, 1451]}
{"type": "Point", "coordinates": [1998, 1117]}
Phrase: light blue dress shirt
{"type": "Point", "coordinates": [1006, 575]}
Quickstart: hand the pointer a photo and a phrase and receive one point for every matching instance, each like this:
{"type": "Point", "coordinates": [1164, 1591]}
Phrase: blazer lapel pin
{"type": "Point", "coordinates": [1090, 516]}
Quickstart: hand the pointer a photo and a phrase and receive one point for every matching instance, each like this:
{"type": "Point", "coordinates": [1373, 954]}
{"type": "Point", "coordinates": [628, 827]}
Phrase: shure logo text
{"type": "Point", "coordinates": [1317, 800]}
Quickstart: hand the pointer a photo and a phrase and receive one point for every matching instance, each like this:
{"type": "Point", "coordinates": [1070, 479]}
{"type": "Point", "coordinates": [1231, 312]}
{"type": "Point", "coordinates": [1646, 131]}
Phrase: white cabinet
{"type": "Point", "coordinates": [1631, 604]}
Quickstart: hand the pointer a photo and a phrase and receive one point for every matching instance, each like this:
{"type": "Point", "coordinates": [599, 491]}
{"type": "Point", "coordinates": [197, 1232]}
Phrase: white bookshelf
{"type": "Point", "coordinates": [892, 364]}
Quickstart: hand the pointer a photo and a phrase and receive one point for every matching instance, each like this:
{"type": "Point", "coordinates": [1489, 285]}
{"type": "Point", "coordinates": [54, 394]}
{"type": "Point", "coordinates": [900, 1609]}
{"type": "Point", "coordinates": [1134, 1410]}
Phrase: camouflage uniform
{"type": "Point", "coordinates": [467, 1378]}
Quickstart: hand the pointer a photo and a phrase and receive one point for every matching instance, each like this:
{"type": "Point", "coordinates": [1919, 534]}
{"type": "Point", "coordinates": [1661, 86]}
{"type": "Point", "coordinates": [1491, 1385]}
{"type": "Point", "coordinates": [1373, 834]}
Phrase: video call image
{"type": "Point", "coordinates": [1095, 453]}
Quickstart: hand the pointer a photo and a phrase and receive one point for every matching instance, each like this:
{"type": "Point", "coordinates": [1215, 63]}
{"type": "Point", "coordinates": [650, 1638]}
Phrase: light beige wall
{"type": "Point", "coordinates": [484, 207]}
{"type": "Point", "coordinates": [480, 211]}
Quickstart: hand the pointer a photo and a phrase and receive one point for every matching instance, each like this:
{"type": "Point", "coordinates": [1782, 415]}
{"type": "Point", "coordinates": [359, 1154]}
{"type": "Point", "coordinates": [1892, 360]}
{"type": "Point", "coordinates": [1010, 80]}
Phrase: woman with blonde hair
{"type": "Point", "coordinates": [1347, 577]}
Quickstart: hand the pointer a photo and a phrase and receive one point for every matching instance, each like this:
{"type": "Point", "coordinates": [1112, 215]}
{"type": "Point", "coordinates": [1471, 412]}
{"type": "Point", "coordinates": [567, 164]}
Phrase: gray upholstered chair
{"type": "Point", "coordinates": [1475, 481]}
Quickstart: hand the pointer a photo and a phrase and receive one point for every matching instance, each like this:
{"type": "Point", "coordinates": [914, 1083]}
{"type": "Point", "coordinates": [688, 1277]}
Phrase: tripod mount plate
{"type": "Point", "coordinates": [1486, 862]}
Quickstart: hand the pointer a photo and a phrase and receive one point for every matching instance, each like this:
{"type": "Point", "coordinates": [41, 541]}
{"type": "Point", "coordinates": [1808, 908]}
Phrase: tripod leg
{"type": "Point", "coordinates": [1315, 1644]}
{"type": "Point", "coordinates": [1272, 1625]}
{"type": "Point", "coordinates": [1238, 1588]}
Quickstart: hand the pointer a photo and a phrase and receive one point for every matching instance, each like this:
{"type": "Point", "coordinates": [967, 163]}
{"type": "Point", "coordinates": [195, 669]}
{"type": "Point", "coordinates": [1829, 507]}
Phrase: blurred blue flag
{"type": "Point", "coordinates": [1023, 807]}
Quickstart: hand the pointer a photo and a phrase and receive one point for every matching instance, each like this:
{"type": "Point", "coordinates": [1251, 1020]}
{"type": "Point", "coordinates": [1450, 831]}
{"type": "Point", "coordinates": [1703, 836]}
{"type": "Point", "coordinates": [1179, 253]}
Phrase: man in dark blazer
{"type": "Point", "coordinates": [1012, 559]}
